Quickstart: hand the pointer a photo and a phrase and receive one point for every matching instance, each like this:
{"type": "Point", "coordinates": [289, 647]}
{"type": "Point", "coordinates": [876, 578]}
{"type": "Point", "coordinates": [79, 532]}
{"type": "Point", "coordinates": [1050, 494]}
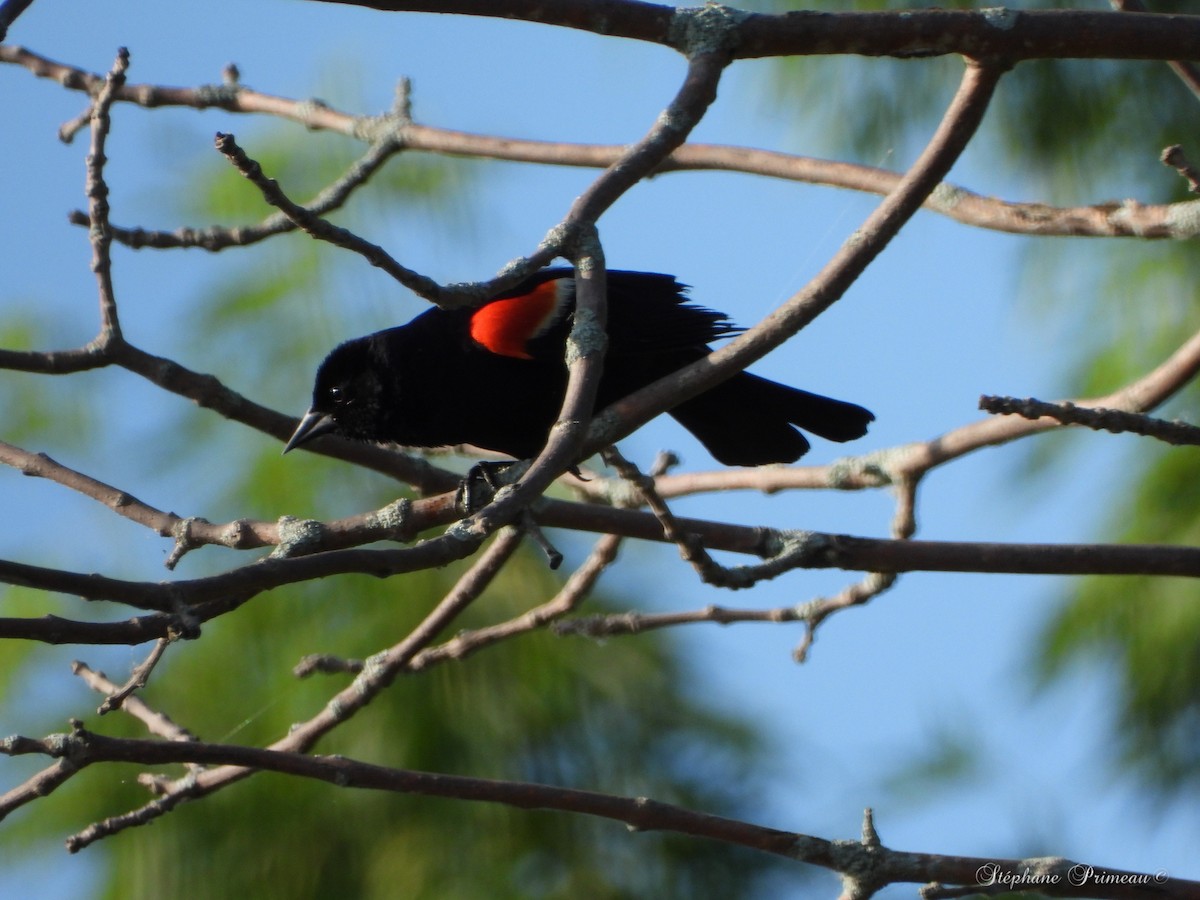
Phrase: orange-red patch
{"type": "Point", "coordinates": [506, 326]}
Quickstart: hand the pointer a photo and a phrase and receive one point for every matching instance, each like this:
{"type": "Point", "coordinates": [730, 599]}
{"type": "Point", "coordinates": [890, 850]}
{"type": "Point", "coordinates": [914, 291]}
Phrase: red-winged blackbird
{"type": "Point", "coordinates": [494, 376]}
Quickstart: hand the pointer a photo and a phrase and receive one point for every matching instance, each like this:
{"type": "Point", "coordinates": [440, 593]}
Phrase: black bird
{"type": "Point", "coordinates": [494, 376]}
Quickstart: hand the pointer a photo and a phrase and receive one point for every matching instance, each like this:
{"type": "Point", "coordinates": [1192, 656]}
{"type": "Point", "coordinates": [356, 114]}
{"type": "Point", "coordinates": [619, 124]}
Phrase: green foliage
{"type": "Point", "coordinates": [1147, 631]}
{"type": "Point", "coordinates": [60, 412]}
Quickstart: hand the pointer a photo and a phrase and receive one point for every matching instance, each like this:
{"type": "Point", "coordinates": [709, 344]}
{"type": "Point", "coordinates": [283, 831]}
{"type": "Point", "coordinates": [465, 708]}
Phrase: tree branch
{"type": "Point", "coordinates": [1097, 418]}
{"type": "Point", "coordinates": [950, 139]}
{"type": "Point", "coordinates": [392, 131]}
{"type": "Point", "coordinates": [990, 33]}
{"type": "Point", "coordinates": [866, 866]}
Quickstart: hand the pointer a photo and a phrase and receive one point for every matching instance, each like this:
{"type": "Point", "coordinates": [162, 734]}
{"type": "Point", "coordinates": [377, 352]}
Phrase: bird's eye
{"type": "Point", "coordinates": [339, 396]}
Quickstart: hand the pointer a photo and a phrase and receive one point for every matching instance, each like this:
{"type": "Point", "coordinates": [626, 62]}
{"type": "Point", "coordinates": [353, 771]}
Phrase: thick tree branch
{"type": "Point", "coordinates": [990, 33]}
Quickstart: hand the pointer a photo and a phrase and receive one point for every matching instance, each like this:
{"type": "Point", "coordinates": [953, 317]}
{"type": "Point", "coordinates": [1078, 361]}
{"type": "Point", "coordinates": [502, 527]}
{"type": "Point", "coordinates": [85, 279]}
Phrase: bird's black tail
{"type": "Point", "coordinates": [748, 421]}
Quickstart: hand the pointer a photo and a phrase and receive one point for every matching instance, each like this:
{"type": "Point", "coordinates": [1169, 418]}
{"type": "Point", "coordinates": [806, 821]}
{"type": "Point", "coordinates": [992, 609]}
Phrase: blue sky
{"type": "Point", "coordinates": [934, 323]}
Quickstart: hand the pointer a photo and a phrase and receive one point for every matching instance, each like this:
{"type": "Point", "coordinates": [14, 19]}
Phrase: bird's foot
{"type": "Point", "coordinates": [480, 485]}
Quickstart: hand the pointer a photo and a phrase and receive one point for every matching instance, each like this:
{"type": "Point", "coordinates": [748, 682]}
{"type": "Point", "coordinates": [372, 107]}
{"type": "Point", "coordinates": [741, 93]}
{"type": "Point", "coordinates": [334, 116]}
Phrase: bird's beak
{"type": "Point", "coordinates": [313, 425]}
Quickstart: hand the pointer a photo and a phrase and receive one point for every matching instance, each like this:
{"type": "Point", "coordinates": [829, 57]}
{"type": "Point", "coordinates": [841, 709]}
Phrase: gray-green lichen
{"type": "Point", "coordinates": [1000, 17]}
{"type": "Point", "coordinates": [946, 196]}
{"type": "Point", "coordinates": [1183, 219]}
{"type": "Point", "coordinates": [394, 517]}
{"type": "Point", "coordinates": [587, 338]}
{"type": "Point", "coordinates": [297, 536]}
{"type": "Point", "coordinates": [705, 29]}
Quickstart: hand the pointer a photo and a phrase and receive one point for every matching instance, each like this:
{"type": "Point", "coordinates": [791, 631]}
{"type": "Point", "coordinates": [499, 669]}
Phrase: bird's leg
{"type": "Point", "coordinates": [480, 485]}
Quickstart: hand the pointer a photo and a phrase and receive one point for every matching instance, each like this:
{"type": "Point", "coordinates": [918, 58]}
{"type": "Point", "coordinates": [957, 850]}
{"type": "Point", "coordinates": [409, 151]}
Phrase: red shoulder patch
{"type": "Point", "coordinates": [506, 326]}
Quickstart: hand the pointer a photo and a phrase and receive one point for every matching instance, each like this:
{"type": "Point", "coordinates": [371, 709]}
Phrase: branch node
{"type": "Point", "coordinates": [402, 104]}
{"type": "Point", "coordinates": [870, 837]}
{"type": "Point", "coordinates": [1174, 157]}
{"type": "Point", "coordinates": [184, 541]}
{"type": "Point", "coordinates": [875, 467]}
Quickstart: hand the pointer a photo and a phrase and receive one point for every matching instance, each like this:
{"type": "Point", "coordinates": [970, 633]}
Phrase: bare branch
{"type": "Point", "coordinates": [866, 865]}
{"type": "Point", "coordinates": [573, 592]}
{"type": "Point", "coordinates": [633, 622]}
{"type": "Point", "coordinates": [1174, 157]}
{"type": "Point", "coordinates": [958, 125]}
{"type": "Point", "coordinates": [116, 698]}
{"type": "Point", "coordinates": [690, 547]}
{"type": "Point", "coordinates": [318, 227]}
{"type": "Point", "coordinates": [1097, 418]}
{"type": "Point", "coordinates": [989, 33]}
{"type": "Point", "coordinates": [97, 192]}
{"type": "Point", "coordinates": [1125, 219]}
{"type": "Point", "coordinates": [216, 238]}
{"type": "Point", "coordinates": [155, 722]}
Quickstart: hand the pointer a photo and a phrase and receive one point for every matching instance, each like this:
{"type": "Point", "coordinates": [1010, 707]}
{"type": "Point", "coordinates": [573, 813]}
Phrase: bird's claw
{"type": "Point", "coordinates": [478, 488]}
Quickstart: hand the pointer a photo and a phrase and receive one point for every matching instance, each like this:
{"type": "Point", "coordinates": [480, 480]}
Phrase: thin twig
{"type": "Point", "coordinates": [815, 612]}
{"type": "Point", "coordinates": [97, 193]}
{"type": "Point", "coordinates": [318, 227]}
{"type": "Point", "coordinates": [1095, 417]}
{"type": "Point", "coordinates": [573, 592]}
{"type": "Point", "coordinates": [217, 238]}
{"type": "Point", "coordinates": [137, 678]}
{"type": "Point", "coordinates": [1174, 157]}
{"type": "Point", "coordinates": [156, 722]}
{"type": "Point", "coordinates": [587, 342]}
{"type": "Point", "coordinates": [691, 548]}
